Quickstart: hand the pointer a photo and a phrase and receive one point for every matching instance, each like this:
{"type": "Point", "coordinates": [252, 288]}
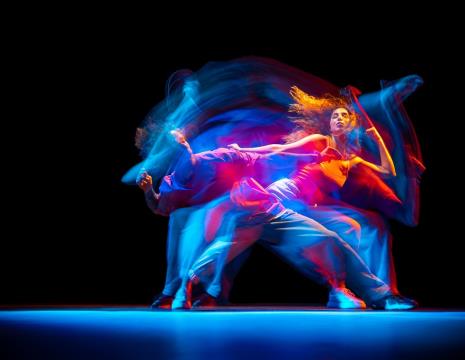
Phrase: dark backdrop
{"type": "Point", "coordinates": [82, 237]}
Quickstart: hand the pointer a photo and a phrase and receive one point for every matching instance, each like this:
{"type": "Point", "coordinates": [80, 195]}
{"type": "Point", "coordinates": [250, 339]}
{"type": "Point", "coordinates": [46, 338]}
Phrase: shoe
{"type": "Point", "coordinates": [205, 301]}
{"type": "Point", "coordinates": [162, 301]}
{"type": "Point", "coordinates": [394, 302]}
{"type": "Point", "coordinates": [182, 299]}
{"type": "Point", "coordinates": [181, 304]}
{"type": "Point", "coordinates": [343, 298]}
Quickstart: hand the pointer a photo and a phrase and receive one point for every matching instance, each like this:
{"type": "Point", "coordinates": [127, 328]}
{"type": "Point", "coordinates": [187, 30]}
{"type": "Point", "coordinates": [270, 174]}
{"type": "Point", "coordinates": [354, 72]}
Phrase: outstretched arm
{"type": "Point", "coordinates": [327, 154]}
{"type": "Point", "coordinates": [276, 148]}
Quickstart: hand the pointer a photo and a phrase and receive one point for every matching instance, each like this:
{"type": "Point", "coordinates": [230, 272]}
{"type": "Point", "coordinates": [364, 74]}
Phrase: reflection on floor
{"type": "Point", "coordinates": [230, 333]}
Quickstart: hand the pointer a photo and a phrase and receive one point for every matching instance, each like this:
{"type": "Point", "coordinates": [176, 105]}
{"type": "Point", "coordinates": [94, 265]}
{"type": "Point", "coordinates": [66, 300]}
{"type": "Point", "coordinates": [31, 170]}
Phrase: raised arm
{"type": "Point", "coordinates": [387, 165]}
{"type": "Point", "coordinates": [181, 139]}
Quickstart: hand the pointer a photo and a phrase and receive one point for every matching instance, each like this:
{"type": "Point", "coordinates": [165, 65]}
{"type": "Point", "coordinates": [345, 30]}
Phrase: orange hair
{"type": "Point", "coordinates": [314, 113]}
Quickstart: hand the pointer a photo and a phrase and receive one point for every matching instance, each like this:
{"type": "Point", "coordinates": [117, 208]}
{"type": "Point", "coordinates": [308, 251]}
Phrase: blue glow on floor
{"type": "Point", "coordinates": [142, 334]}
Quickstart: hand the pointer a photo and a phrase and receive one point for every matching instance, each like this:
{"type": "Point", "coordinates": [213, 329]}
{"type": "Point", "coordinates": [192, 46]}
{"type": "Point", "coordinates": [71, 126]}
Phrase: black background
{"type": "Point", "coordinates": [79, 236]}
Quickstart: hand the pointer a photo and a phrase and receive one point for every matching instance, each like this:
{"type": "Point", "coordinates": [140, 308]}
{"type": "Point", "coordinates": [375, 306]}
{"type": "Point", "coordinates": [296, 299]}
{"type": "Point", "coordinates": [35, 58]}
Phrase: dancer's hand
{"type": "Point", "coordinates": [144, 181]}
{"type": "Point", "coordinates": [234, 146]}
{"type": "Point", "coordinates": [373, 133]}
{"type": "Point", "coordinates": [178, 136]}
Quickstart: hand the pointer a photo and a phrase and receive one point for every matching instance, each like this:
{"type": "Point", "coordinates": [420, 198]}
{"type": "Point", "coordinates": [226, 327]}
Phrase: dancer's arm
{"type": "Point", "coordinates": [387, 165]}
{"type": "Point", "coordinates": [327, 154]}
{"type": "Point", "coordinates": [181, 139]}
{"type": "Point", "coordinates": [275, 148]}
{"type": "Point", "coordinates": [144, 181]}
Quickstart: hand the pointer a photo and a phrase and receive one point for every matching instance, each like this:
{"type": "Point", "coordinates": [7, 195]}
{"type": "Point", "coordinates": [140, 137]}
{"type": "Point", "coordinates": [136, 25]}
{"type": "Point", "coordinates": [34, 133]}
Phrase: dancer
{"type": "Point", "coordinates": [202, 109]}
{"type": "Point", "coordinates": [316, 181]}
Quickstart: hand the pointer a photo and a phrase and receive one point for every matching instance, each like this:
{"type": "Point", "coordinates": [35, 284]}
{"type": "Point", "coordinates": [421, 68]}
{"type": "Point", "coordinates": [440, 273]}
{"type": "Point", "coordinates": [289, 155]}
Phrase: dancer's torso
{"type": "Point", "coordinates": [314, 183]}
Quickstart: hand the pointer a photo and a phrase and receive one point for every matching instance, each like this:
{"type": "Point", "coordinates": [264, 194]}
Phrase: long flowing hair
{"type": "Point", "coordinates": [313, 114]}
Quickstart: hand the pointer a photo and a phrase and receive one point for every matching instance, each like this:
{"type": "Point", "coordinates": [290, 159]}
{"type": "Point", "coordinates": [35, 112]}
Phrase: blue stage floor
{"type": "Point", "coordinates": [234, 333]}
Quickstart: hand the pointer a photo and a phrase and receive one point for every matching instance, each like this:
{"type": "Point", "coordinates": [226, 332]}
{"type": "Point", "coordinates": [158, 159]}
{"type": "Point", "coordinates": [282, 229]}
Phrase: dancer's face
{"type": "Point", "coordinates": [340, 121]}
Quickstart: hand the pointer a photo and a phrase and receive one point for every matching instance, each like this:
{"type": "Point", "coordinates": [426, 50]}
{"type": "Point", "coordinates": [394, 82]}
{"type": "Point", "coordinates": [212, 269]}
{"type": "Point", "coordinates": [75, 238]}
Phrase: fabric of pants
{"type": "Point", "coordinates": [192, 230]}
{"type": "Point", "coordinates": [365, 231]}
{"type": "Point", "coordinates": [321, 255]}
{"type": "Point", "coordinates": [317, 252]}
{"type": "Point", "coordinates": [174, 254]}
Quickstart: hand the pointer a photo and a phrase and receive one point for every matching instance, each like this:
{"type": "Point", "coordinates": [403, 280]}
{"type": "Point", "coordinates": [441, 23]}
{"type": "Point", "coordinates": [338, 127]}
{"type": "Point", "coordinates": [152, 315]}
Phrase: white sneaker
{"type": "Point", "coordinates": [343, 298]}
{"type": "Point", "coordinates": [183, 298]}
